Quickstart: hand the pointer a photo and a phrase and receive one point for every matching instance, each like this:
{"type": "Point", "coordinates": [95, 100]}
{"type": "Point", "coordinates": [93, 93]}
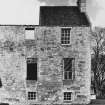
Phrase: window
{"type": "Point", "coordinates": [31, 95]}
{"type": "Point", "coordinates": [65, 35]}
{"type": "Point", "coordinates": [67, 96]}
{"type": "Point", "coordinates": [31, 68]}
{"type": "Point", "coordinates": [68, 68]}
{"type": "Point", "coordinates": [29, 33]}
{"type": "Point", "coordinates": [0, 83]}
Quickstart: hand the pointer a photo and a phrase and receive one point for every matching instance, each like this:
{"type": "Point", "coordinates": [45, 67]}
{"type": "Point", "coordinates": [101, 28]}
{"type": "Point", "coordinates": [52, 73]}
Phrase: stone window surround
{"type": "Point", "coordinates": [67, 96]}
{"type": "Point", "coordinates": [68, 89]}
{"type": "Point", "coordinates": [29, 33]}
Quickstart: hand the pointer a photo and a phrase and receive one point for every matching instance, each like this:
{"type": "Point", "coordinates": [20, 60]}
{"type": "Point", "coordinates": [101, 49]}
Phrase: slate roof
{"type": "Point", "coordinates": [62, 16]}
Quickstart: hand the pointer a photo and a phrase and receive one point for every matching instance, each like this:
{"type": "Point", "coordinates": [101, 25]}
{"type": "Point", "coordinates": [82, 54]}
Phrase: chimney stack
{"type": "Point", "coordinates": [82, 5]}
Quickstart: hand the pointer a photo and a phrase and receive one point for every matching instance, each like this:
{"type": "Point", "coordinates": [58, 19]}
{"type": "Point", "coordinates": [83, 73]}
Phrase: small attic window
{"type": "Point", "coordinates": [67, 96]}
{"type": "Point", "coordinates": [31, 95]}
{"type": "Point", "coordinates": [29, 33]}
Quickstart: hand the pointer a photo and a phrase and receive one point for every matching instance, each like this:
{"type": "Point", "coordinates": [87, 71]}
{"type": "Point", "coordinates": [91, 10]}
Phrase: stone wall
{"type": "Point", "coordinates": [14, 50]}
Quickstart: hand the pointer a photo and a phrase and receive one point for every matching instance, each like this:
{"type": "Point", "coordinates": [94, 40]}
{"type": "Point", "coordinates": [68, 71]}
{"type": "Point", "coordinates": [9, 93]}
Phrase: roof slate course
{"type": "Point", "coordinates": [62, 16]}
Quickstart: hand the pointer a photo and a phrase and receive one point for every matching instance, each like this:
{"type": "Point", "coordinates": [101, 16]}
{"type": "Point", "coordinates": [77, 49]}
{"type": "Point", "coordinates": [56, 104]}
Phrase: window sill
{"type": "Point", "coordinates": [66, 45]}
{"type": "Point", "coordinates": [67, 101]}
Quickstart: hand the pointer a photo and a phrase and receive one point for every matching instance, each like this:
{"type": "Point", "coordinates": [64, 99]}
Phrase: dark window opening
{"type": "Point", "coordinates": [29, 28]}
{"type": "Point", "coordinates": [31, 69]}
{"type": "Point", "coordinates": [0, 83]}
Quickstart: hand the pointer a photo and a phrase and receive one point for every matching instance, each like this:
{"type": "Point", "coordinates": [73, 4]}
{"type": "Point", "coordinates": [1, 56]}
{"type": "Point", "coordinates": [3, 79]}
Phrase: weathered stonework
{"type": "Point", "coordinates": [47, 48]}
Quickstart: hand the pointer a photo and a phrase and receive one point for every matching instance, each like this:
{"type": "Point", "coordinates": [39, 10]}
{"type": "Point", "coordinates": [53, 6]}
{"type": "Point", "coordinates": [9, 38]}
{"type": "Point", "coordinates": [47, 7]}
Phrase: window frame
{"type": "Point", "coordinates": [69, 36]}
{"type": "Point", "coordinates": [73, 66]}
{"type": "Point", "coordinates": [66, 95]}
{"type": "Point", "coordinates": [31, 98]}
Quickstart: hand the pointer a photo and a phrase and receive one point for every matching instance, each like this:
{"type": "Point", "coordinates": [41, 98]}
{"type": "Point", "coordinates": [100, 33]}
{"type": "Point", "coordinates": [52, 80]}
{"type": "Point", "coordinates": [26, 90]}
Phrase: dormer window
{"type": "Point", "coordinates": [29, 33]}
{"type": "Point", "coordinates": [65, 36]}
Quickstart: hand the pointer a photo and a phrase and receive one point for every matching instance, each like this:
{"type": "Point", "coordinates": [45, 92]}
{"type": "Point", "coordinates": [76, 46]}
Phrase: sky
{"type": "Point", "coordinates": [27, 11]}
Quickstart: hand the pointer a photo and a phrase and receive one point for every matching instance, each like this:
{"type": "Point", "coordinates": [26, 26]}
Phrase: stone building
{"type": "Point", "coordinates": [49, 63]}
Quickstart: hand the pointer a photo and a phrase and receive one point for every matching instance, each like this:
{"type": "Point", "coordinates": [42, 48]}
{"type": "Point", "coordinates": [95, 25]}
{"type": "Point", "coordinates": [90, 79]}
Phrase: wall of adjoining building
{"type": "Point", "coordinates": [47, 48]}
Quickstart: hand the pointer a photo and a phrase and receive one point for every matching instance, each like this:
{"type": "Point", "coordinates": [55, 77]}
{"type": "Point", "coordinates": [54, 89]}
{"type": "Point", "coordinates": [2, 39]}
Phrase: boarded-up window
{"type": "Point", "coordinates": [67, 96]}
{"type": "Point", "coordinates": [65, 35]}
{"type": "Point", "coordinates": [68, 68]}
{"type": "Point", "coordinates": [29, 33]}
{"type": "Point", "coordinates": [31, 68]}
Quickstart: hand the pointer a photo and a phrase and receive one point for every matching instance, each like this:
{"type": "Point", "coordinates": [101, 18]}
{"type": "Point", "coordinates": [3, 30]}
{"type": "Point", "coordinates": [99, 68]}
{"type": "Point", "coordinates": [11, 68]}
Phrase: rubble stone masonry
{"type": "Point", "coordinates": [47, 48]}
